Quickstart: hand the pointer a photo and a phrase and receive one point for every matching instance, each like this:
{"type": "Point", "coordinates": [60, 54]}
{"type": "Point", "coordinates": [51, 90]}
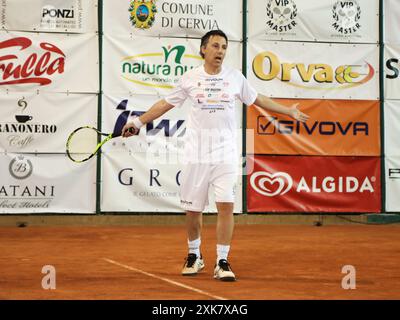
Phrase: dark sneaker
{"type": "Point", "coordinates": [223, 271]}
{"type": "Point", "coordinates": [193, 265]}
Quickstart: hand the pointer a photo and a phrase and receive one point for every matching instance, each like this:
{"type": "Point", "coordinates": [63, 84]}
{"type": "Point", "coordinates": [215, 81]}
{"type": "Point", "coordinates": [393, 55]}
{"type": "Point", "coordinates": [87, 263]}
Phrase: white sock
{"type": "Point", "coordinates": [194, 246]}
{"type": "Point", "coordinates": [222, 252]}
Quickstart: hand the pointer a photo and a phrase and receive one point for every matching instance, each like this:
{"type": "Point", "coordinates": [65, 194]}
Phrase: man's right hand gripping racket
{"type": "Point", "coordinates": [84, 142]}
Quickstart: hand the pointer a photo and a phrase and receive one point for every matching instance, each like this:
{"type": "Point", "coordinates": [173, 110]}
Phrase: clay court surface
{"type": "Point", "coordinates": [144, 262]}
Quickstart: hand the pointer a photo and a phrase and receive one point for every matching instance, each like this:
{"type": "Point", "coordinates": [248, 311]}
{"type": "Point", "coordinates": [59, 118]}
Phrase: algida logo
{"type": "Point", "coordinates": [142, 13]}
{"type": "Point", "coordinates": [159, 69]}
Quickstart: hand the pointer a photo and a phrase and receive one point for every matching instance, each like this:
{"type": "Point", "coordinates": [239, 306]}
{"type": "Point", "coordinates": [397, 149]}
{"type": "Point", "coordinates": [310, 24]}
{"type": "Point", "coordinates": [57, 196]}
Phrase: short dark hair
{"type": "Point", "coordinates": [208, 35]}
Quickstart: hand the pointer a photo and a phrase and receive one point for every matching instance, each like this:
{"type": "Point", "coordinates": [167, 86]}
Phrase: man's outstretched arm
{"type": "Point", "coordinates": [157, 110]}
{"type": "Point", "coordinates": [291, 111]}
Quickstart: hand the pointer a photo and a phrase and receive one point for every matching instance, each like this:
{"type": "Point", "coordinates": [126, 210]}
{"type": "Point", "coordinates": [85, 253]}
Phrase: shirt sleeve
{"type": "Point", "coordinates": [247, 93]}
{"type": "Point", "coordinates": [178, 95]}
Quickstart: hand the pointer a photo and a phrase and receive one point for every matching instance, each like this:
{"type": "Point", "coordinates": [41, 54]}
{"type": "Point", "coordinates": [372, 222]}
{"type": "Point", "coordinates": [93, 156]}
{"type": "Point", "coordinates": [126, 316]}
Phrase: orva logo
{"type": "Point", "coordinates": [159, 69]}
{"type": "Point", "coordinates": [166, 126]}
{"type": "Point", "coordinates": [279, 183]}
{"type": "Point", "coordinates": [267, 67]}
{"type": "Point", "coordinates": [272, 125]}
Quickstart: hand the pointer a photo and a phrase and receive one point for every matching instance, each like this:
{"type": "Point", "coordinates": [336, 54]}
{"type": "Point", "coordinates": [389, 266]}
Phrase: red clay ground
{"type": "Point", "coordinates": [144, 262]}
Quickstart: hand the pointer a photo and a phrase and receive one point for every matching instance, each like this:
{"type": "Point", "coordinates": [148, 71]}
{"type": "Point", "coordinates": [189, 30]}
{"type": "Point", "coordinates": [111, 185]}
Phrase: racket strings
{"type": "Point", "coordinates": [82, 144]}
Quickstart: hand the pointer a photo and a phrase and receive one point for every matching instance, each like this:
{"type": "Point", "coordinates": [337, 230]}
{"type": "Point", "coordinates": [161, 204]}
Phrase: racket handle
{"type": "Point", "coordinates": [132, 130]}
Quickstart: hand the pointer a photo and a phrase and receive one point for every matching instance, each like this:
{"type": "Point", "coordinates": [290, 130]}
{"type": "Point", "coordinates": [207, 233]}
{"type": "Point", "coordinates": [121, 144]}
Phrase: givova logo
{"type": "Point", "coordinates": [273, 125]}
{"type": "Point", "coordinates": [279, 183]}
{"type": "Point", "coordinates": [159, 69]}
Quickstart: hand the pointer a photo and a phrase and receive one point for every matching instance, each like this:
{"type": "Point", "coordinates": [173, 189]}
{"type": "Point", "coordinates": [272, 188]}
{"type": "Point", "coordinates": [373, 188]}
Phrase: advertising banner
{"type": "Point", "coordinates": [314, 20]}
{"type": "Point", "coordinates": [72, 16]}
{"type": "Point", "coordinates": [46, 183]}
{"type": "Point", "coordinates": [31, 122]}
{"type": "Point", "coordinates": [391, 22]}
{"type": "Point", "coordinates": [314, 184]}
{"type": "Point", "coordinates": [392, 167]}
{"type": "Point", "coordinates": [391, 71]}
{"type": "Point", "coordinates": [134, 182]}
{"type": "Point", "coordinates": [163, 137]}
{"type": "Point", "coordinates": [152, 66]}
{"type": "Point", "coordinates": [49, 62]}
{"type": "Point", "coordinates": [392, 127]}
{"type": "Point", "coordinates": [178, 18]}
{"type": "Point", "coordinates": [335, 128]}
{"type": "Point", "coordinates": [307, 70]}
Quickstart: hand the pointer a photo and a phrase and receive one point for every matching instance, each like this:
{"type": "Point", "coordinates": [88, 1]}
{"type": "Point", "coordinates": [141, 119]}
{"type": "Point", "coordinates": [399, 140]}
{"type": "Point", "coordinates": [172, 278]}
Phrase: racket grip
{"type": "Point", "coordinates": [132, 130]}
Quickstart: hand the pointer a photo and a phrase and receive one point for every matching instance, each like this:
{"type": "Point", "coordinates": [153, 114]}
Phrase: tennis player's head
{"type": "Point", "coordinates": [213, 47]}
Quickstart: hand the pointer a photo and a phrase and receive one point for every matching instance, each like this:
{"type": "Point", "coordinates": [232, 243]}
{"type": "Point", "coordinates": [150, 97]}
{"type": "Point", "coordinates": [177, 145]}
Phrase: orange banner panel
{"type": "Point", "coordinates": [335, 127]}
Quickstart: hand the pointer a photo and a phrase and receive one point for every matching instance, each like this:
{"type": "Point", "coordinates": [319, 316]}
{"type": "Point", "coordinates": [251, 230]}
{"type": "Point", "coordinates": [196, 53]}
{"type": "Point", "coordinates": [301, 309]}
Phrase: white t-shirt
{"type": "Point", "coordinates": [211, 124]}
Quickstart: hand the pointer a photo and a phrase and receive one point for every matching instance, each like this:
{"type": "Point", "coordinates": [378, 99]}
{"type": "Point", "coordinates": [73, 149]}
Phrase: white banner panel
{"type": "Point", "coordinates": [391, 21]}
{"type": "Point", "coordinates": [49, 62]}
{"type": "Point", "coordinates": [309, 70]}
{"type": "Point", "coordinates": [392, 166]}
{"type": "Point", "coordinates": [74, 16]}
{"type": "Point", "coordinates": [136, 183]}
{"type": "Point", "coordinates": [314, 20]}
{"type": "Point", "coordinates": [163, 137]}
{"type": "Point", "coordinates": [391, 73]}
{"type": "Point", "coordinates": [152, 66]}
{"type": "Point", "coordinates": [392, 128]}
{"type": "Point", "coordinates": [31, 122]}
{"type": "Point", "coordinates": [46, 183]}
{"type": "Point", "coordinates": [178, 18]}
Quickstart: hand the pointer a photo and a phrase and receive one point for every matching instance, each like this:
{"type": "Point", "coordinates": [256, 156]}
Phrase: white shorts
{"type": "Point", "coordinates": [196, 178]}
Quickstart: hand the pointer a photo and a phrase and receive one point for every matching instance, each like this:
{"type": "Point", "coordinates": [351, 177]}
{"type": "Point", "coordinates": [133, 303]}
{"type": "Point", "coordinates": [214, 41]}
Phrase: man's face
{"type": "Point", "coordinates": [214, 51]}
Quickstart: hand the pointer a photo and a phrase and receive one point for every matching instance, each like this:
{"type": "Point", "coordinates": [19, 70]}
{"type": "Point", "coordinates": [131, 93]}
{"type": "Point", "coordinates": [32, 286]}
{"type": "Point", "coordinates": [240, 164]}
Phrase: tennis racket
{"type": "Point", "coordinates": [83, 143]}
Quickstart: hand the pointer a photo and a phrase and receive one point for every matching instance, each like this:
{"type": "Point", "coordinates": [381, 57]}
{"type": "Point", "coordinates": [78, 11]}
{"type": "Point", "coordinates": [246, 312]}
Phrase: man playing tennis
{"type": "Point", "coordinates": [210, 145]}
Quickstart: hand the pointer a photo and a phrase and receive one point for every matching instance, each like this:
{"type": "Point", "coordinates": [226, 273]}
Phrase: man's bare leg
{"type": "Point", "coordinates": [194, 262]}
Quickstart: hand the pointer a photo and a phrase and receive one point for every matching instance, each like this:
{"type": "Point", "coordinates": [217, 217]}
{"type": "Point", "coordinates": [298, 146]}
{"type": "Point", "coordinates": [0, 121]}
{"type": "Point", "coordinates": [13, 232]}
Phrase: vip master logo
{"type": "Point", "coordinates": [159, 69]}
{"type": "Point", "coordinates": [142, 13]}
{"type": "Point", "coordinates": [282, 15]}
{"type": "Point", "coordinates": [20, 167]}
{"type": "Point", "coordinates": [346, 16]}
